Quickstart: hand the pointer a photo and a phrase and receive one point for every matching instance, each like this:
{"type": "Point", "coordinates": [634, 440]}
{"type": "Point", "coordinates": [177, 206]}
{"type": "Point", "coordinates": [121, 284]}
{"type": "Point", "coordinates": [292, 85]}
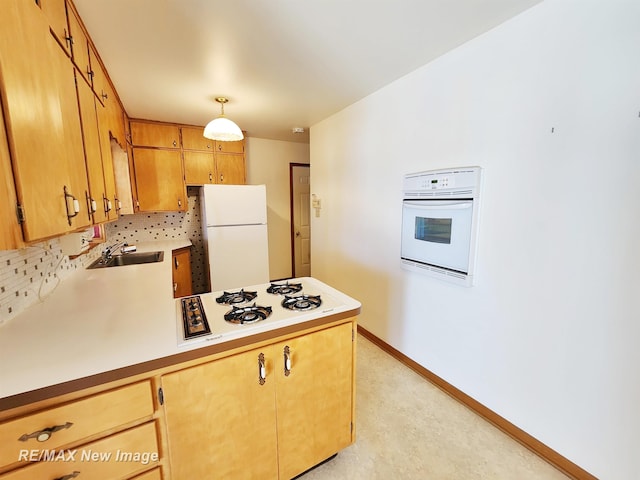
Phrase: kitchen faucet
{"type": "Point", "coordinates": [107, 253]}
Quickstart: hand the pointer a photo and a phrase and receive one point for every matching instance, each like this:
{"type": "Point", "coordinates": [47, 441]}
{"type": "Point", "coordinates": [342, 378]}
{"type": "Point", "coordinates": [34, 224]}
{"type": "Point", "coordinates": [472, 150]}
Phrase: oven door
{"type": "Point", "coordinates": [437, 233]}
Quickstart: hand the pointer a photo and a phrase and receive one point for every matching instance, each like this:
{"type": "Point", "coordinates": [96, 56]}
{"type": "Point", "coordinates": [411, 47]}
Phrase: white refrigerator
{"type": "Point", "coordinates": [235, 235]}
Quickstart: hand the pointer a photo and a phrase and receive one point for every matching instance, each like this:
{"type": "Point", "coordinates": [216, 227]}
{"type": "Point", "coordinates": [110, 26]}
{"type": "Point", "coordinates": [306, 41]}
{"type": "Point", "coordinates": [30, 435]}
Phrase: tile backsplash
{"type": "Point", "coordinates": [29, 274]}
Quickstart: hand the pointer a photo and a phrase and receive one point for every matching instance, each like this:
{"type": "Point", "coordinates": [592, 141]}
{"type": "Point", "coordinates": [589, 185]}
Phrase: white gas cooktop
{"type": "Point", "coordinates": [260, 303]}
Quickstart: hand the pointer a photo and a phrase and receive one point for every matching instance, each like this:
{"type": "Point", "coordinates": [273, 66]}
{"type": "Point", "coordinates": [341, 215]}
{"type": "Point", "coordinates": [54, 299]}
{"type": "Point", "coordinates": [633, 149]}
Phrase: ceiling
{"type": "Point", "coordinates": [281, 63]}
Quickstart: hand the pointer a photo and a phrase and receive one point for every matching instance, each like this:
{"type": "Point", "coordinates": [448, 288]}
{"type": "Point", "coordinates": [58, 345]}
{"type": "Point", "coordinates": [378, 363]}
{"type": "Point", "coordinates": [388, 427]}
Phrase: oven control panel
{"type": "Point", "coordinates": [458, 179]}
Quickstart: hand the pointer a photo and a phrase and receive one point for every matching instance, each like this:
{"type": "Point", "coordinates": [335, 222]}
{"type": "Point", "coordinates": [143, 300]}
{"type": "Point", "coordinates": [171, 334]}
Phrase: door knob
{"type": "Point", "coordinates": [297, 234]}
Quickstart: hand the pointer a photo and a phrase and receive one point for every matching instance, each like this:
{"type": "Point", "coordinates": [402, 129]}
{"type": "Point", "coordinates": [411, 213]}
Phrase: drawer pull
{"type": "Point", "coordinates": [45, 434]}
{"type": "Point", "coordinates": [70, 476]}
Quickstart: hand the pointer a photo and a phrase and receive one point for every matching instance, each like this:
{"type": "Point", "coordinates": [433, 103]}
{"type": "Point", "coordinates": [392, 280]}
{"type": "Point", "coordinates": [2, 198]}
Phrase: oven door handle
{"type": "Point", "coordinates": [453, 205]}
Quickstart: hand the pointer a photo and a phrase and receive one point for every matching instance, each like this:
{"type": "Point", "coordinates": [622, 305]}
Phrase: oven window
{"type": "Point", "coordinates": [434, 230]}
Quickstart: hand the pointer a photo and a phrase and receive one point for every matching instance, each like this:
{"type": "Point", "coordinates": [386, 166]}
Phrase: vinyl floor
{"type": "Point", "coordinates": [408, 429]}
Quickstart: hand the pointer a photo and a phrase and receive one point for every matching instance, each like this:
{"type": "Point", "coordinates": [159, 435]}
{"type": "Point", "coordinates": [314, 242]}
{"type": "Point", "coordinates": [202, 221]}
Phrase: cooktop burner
{"type": "Point", "coordinates": [284, 288]}
{"type": "Point", "coordinates": [250, 314]}
{"type": "Point", "coordinates": [242, 296]}
{"type": "Point", "coordinates": [301, 302]}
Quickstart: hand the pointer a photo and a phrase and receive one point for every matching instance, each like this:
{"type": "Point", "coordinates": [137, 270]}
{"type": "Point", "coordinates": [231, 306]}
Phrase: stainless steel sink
{"type": "Point", "coordinates": [129, 259]}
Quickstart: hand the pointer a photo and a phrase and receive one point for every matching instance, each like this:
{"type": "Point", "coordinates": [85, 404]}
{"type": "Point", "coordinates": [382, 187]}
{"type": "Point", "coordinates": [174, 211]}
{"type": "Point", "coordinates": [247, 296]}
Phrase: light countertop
{"type": "Point", "coordinates": [102, 320]}
{"type": "Point", "coordinates": [95, 321]}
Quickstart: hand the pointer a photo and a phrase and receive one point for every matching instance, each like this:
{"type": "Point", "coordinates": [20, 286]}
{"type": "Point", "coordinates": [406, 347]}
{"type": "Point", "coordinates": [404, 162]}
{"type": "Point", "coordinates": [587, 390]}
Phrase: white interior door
{"type": "Point", "coordinates": [300, 191]}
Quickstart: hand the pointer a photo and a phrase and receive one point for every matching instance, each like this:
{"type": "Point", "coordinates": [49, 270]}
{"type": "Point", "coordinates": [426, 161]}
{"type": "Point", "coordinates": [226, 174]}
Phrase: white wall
{"type": "Point", "coordinates": [549, 336]}
{"type": "Point", "coordinates": [268, 162]}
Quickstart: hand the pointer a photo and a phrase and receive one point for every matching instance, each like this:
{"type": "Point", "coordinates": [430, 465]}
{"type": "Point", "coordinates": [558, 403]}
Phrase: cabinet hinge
{"type": "Point", "coordinates": [160, 396]}
{"type": "Point", "coordinates": [20, 213]}
{"type": "Point", "coordinates": [353, 335]}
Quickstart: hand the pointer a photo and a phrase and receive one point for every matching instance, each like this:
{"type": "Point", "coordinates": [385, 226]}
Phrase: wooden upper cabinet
{"type": "Point", "coordinates": [230, 169]}
{"type": "Point", "coordinates": [10, 234]}
{"type": "Point", "coordinates": [93, 154]}
{"type": "Point", "coordinates": [192, 139]}
{"type": "Point", "coordinates": [199, 168]}
{"type": "Point", "coordinates": [43, 124]}
{"type": "Point", "coordinates": [159, 180]}
{"type": "Point", "coordinates": [149, 134]}
{"type": "Point", "coordinates": [230, 147]}
{"type": "Point", "coordinates": [110, 200]}
{"type": "Point", "coordinates": [56, 13]}
{"type": "Point", "coordinates": [79, 46]}
{"type": "Point", "coordinates": [99, 77]}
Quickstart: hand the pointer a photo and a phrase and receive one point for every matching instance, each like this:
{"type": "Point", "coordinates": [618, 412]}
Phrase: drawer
{"type": "Point", "coordinates": [72, 422]}
{"type": "Point", "coordinates": [118, 456]}
{"type": "Point", "coordinates": [152, 475]}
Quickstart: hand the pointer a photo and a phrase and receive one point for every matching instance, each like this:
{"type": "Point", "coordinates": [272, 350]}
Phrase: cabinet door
{"type": "Point", "coordinates": [99, 77]}
{"type": "Point", "coordinates": [230, 169]}
{"type": "Point", "coordinates": [199, 168]}
{"type": "Point", "coordinates": [159, 180]}
{"type": "Point", "coordinates": [315, 398]}
{"type": "Point", "coordinates": [93, 155]}
{"type": "Point", "coordinates": [230, 147]}
{"type": "Point", "coordinates": [56, 13]}
{"type": "Point", "coordinates": [221, 420]}
{"type": "Point", "coordinates": [144, 134]}
{"type": "Point", "coordinates": [42, 120]}
{"type": "Point", "coordinates": [79, 46]}
{"type": "Point", "coordinates": [110, 201]}
{"type": "Point", "coordinates": [192, 139]}
{"type": "Point", "coordinates": [10, 235]}
{"type": "Point", "coordinates": [181, 272]}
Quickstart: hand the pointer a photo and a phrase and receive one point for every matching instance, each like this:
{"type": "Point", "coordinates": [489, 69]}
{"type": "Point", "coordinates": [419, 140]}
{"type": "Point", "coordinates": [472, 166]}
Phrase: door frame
{"type": "Point", "coordinates": [291, 219]}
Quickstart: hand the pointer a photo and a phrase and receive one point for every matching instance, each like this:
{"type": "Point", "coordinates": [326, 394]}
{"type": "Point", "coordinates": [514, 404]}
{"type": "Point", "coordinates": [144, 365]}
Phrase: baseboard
{"type": "Point", "coordinates": [551, 456]}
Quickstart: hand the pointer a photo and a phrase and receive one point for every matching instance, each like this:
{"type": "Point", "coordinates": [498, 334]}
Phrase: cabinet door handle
{"type": "Point", "coordinates": [175, 287]}
{"type": "Point", "coordinates": [262, 370]}
{"type": "Point", "coordinates": [210, 177]}
{"type": "Point", "coordinates": [44, 434]}
{"type": "Point", "coordinates": [75, 205]}
{"type": "Point", "coordinates": [175, 143]}
{"type": "Point", "coordinates": [287, 361]}
{"type": "Point", "coordinates": [221, 178]}
{"type": "Point", "coordinates": [176, 262]}
{"type": "Point", "coordinates": [179, 203]}
{"type": "Point", "coordinates": [70, 476]}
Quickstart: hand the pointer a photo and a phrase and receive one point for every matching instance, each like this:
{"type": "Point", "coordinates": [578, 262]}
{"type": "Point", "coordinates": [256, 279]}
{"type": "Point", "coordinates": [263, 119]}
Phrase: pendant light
{"type": "Point", "coordinates": [221, 128]}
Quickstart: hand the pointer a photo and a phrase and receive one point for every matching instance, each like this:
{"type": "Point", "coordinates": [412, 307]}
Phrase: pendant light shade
{"type": "Point", "coordinates": [221, 128]}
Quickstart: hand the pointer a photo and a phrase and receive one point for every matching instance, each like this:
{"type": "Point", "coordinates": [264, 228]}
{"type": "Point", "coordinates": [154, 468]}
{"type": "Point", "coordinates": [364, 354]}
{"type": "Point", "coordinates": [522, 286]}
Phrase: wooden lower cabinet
{"type": "Point", "coordinates": [121, 455]}
{"type": "Point", "coordinates": [315, 400]}
{"type": "Point", "coordinates": [270, 409]}
{"type": "Point", "coordinates": [151, 475]}
{"type": "Point", "coordinates": [181, 268]}
{"type": "Point", "coordinates": [98, 435]}
{"type": "Point", "coordinates": [220, 421]}
{"type": "Point", "coordinates": [223, 422]}
{"type": "Point", "coordinates": [78, 420]}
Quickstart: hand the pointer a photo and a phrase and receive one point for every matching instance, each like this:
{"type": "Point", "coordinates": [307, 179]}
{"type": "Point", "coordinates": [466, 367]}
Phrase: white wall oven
{"type": "Point", "coordinates": [440, 223]}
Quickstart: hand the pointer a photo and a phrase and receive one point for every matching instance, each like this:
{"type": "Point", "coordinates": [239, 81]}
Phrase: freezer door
{"type": "Point", "coordinates": [238, 256]}
{"type": "Point", "coordinates": [234, 204]}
